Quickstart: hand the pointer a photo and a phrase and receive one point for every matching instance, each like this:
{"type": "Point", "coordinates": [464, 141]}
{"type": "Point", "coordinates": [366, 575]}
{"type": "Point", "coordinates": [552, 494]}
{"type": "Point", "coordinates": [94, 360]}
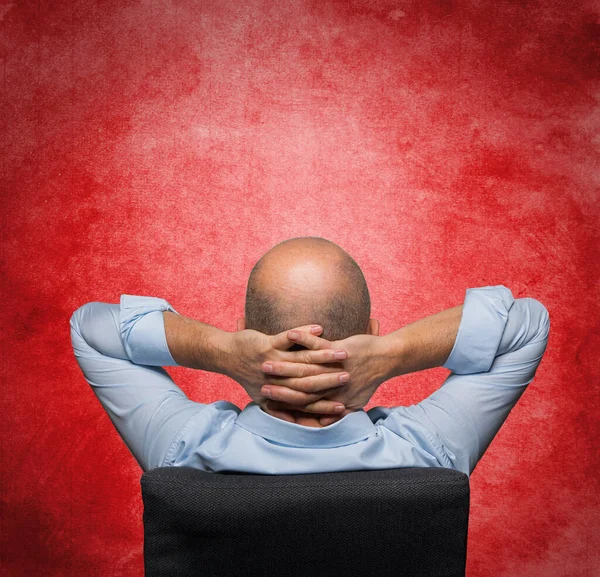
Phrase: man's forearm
{"type": "Point", "coordinates": [424, 344]}
{"type": "Point", "coordinates": [196, 345]}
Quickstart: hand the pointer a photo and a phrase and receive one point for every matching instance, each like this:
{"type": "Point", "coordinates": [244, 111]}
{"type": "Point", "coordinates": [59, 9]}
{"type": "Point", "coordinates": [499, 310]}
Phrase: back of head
{"type": "Point", "coordinates": [308, 280]}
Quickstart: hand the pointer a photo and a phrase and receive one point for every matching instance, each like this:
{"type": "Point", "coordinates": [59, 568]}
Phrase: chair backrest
{"type": "Point", "coordinates": [390, 522]}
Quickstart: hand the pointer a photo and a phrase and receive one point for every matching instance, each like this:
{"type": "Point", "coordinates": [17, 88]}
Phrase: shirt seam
{"type": "Point", "coordinates": [165, 462]}
{"type": "Point", "coordinates": [437, 445]}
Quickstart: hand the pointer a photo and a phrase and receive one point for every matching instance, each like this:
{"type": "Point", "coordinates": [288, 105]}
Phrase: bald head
{"type": "Point", "coordinates": [308, 280]}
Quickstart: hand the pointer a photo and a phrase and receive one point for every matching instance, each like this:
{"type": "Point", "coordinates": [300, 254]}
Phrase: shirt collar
{"type": "Point", "coordinates": [352, 428]}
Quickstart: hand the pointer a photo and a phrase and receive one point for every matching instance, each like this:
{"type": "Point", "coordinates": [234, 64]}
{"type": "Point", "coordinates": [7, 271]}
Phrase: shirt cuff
{"type": "Point", "coordinates": [484, 318]}
{"type": "Point", "coordinates": [142, 330]}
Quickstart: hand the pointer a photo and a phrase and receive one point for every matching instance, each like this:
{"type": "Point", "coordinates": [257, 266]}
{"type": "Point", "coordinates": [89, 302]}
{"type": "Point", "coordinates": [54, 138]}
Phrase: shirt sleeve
{"type": "Point", "coordinates": [120, 349]}
{"type": "Point", "coordinates": [499, 345]}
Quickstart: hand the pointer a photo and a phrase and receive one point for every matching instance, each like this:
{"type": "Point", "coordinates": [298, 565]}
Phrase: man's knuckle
{"type": "Point", "coordinates": [307, 371]}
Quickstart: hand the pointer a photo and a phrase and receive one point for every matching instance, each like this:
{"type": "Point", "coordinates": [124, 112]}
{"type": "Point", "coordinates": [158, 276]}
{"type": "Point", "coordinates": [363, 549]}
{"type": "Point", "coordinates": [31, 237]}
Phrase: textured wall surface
{"type": "Point", "coordinates": [160, 148]}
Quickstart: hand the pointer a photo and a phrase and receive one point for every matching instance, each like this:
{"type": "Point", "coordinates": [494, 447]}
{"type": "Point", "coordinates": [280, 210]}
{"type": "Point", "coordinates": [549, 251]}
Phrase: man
{"type": "Point", "coordinates": [492, 343]}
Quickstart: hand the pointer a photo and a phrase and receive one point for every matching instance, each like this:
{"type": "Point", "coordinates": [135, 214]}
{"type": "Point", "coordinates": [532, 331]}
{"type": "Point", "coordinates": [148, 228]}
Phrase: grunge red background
{"type": "Point", "coordinates": [160, 148]}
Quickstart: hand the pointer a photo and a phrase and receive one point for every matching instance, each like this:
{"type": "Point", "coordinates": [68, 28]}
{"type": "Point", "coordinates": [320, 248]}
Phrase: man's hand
{"type": "Point", "coordinates": [370, 361]}
{"type": "Point", "coordinates": [251, 352]}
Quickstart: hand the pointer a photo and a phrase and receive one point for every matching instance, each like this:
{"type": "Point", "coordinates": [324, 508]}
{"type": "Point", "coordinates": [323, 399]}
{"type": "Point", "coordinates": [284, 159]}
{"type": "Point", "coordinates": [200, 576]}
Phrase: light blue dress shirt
{"type": "Point", "coordinates": [121, 349]}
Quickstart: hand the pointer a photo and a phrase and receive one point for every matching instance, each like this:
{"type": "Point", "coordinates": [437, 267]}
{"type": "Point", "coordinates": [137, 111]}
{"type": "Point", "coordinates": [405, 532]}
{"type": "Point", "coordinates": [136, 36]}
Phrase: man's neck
{"type": "Point", "coordinates": [306, 419]}
{"type": "Point", "coordinates": [302, 418]}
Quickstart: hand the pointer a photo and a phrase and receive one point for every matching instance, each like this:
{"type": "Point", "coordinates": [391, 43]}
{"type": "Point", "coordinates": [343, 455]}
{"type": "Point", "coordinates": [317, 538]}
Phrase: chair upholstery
{"type": "Point", "coordinates": [391, 522]}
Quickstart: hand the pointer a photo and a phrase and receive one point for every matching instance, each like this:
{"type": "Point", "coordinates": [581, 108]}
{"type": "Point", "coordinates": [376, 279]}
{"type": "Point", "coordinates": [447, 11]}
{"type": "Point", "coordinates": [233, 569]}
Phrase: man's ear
{"type": "Point", "coordinates": [241, 324]}
{"type": "Point", "coordinates": [373, 328]}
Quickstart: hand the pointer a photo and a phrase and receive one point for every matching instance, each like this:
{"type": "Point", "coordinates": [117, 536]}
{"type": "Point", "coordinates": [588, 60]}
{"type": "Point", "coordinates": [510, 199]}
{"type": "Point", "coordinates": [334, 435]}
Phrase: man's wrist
{"type": "Point", "coordinates": [392, 354]}
{"type": "Point", "coordinates": [224, 352]}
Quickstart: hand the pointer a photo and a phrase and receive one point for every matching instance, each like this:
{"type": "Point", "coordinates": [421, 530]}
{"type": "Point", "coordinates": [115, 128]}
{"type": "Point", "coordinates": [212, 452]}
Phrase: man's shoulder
{"type": "Point", "coordinates": [213, 417]}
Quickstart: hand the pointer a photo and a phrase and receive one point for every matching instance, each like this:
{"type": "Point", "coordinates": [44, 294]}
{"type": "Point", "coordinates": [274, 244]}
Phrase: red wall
{"type": "Point", "coordinates": [160, 148]}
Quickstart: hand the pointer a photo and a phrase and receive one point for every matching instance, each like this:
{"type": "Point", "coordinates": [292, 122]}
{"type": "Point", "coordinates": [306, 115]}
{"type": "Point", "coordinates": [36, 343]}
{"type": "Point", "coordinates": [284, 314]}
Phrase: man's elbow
{"type": "Point", "coordinates": [76, 316]}
{"type": "Point", "coordinates": [75, 319]}
{"type": "Point", "coordinates": [77, 323]}
{"type": "Point", "coordinates": [541, 319]}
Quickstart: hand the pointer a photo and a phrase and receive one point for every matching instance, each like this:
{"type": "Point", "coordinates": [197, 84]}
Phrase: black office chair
{"type": "Point", "coordinates": [409, 522]}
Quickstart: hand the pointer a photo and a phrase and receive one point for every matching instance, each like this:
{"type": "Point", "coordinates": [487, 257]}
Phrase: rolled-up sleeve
{"type": "Point", "coordinates": [499, 345]}
{"type": "Point", "coordinates": [121, 349]}
{"type": "Point", "coordinates": [484, 318]}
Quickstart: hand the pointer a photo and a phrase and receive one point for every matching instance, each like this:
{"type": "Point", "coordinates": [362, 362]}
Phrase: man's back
{"type": "Point", "coordinates": [498, 348]}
